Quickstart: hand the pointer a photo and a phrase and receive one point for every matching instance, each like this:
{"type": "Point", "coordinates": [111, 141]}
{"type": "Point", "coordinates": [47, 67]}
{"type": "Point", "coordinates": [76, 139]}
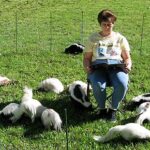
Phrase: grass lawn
{"type": "Point", "coordinates": [33, 36]}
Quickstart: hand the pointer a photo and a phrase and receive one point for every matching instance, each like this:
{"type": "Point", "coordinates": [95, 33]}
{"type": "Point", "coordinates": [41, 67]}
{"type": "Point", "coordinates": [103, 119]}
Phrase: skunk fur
{"type": "Point", "coordinates": [128, 132]}
{"type": "Point", "coordinates": [137, 101]}
{"type": "Point", "coordinates": [143, 113]}
{"type": "Point", "coordinates": [75, 48]}
{"type": "Point", "coordinates": [51, 84]}
{"type": "Point", "coordinates": [9, 109]}
{"type": "Point", "coordinates": [33, 108]}
{"type": "Point", "coordinates": [78, 94]}
{"type": "Point", "coordinates": [141, 99]}
{"type": "Point", "coordinates": [4, 80]}
{"type": "Point", "coordinates": [29, 106]}
{"type": "Point", "coordinates": [50, 118]}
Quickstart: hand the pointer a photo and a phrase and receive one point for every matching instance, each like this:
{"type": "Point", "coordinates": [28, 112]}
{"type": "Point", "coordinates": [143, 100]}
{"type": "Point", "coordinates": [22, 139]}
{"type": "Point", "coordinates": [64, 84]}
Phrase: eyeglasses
{"type": "Point", "coordinates": [106, 24]}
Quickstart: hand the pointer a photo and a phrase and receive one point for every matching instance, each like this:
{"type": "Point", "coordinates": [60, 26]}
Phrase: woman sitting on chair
{"type": "Point", "coordinates": [107, 45]}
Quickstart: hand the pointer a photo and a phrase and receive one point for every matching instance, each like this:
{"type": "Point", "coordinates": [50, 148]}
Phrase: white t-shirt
{"type": "Point", "coordinates": [109, 47]}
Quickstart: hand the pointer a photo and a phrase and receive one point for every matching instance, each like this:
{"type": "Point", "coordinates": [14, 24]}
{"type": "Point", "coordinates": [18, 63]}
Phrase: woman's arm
{"type": "Point", "coordinates": [87, 58]}
{"type": "Point", "coordinates": [127, 60]}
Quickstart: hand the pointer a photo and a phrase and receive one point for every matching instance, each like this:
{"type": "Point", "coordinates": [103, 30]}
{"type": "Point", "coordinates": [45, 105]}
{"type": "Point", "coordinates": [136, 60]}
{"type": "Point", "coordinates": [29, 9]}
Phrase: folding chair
{"type": "Point", "coordinates": [88, 92]}
{"type": "Point", "coordinates": [108, 98]}
{"type": "Point", "coordinates": [105, 64]}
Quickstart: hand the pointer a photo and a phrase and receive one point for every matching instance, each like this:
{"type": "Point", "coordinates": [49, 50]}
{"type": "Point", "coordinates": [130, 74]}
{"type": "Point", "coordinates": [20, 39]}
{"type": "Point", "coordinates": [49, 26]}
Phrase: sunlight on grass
{"type": "Point", "coordinates": [43, 29]}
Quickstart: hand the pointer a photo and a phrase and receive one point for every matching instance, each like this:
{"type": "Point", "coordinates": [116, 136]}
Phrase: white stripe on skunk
{"type": "Point", "coordinates": [51, 118]}
{"type": "Point", "coordinates": [78, 93]}
{"type": "Point", "coordinates": [75, 48]}
{"type": "Point", "coordinates": [51, 84]}
{"type": "Point", "coordinates": [33, 108]}
{"type": "Point", "coordinates": [144, 113]}
{"type": "Point", "coordinates": [9, 109]}
{"type": "Point", "coordinates": [128, 132]}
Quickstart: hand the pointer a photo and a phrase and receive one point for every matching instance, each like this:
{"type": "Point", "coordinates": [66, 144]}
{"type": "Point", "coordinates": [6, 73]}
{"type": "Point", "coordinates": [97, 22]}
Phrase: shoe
{"type": "Point", "coordinates": [103, 114]}
{"type": "Point", "coordinates": [112, 115]}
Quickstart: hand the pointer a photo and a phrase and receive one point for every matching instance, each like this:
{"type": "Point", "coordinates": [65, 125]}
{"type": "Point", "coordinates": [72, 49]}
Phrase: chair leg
{"type": "Point", "coordinates": [88, 92]}
{"type": "Point", "coordinates": [109, 97]}
{"type": "Point", "coordinates": [88, 89]}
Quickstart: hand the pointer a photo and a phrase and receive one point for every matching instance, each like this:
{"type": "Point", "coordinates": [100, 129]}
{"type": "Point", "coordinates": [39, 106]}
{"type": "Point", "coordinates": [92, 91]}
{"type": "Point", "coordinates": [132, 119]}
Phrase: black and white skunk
{"type": "Point", "coordinates": [143, 112]}
{"type": "Point", "coordinates": [33, 109]}
{"type": "Point", "coordinates": [75, 48]}
{"type": "Point", "coordinates": [128, 132]}
{"type": "Point", "coordinates": [78, 94]}
{"type": "Point", "coordinates": [51, 84]}
{"type": "Point", "coordinates": [141, 99]}
{"type": "Point", "coordinates": [9, 109]}
{"type": "Point", "coordinates": [50, 118]}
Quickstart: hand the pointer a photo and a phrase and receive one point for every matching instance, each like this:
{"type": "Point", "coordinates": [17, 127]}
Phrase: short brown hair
{"type": "Point", "coordinates": [106, 15]}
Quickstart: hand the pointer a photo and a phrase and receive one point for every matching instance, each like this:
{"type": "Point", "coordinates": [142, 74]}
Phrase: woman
{"type": "Point", "coordinates": [107, 45]}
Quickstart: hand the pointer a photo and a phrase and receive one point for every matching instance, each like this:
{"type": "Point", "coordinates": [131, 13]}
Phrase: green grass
{"type": "Point", "coordinates": [43, 29]}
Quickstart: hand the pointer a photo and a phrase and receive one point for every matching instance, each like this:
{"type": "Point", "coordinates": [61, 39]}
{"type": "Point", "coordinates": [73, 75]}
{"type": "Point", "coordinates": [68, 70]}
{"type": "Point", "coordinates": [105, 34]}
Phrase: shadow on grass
{"type": "Point", "coordinates": [130, 106]}
{"type": "Point", "coordinates": [129, 120]}
{"type": "Point", "coordinates": [75, 116]}
{"type": "Point", "coordinates": [119, 141]}
{"type": "Point", "coordinates": [33, 130]}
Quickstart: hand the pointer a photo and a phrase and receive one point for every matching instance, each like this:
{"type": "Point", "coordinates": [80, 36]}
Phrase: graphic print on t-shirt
{"type": "Point", "coordinates": [107, 49]}
{"type": "Point", "coordinates": [102, 50]}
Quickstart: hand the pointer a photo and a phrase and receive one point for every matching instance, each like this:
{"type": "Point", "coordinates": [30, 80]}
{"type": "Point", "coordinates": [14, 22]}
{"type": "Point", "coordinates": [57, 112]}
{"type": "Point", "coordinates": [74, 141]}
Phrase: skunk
{"type": "Point", "coordinates": [51, 84]}
{"type": "Point", "coordinates": [143, 113]}
{"type": "Point", "coordinates": [75, 48]}
{"type": "Point", "coordinates": [78, 94]}
{"type": "Point", "coordinates": [138, 100]}
{"type": "Point", "coordinates": [128, 132]}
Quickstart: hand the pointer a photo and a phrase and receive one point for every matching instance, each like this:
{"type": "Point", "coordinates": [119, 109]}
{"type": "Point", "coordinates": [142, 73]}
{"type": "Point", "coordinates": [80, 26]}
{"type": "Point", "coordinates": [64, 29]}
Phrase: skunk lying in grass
{"type": "Point", "coordinates": [75, 48]}
{"type": "Point", "coordinates": [33, 109]}
{"type": "Point", "coordinates": [128, 132]}
{"type": "Point", "coordinates": [138, 100]}
{"type": "Point", "coordinates": [4, 80]}
{"type": "Point", "coordinates": [141, 99]}
{"type": "Point", "coordinates": [143, 113]}
{"type": "Point", "coordinates": [51, 84]}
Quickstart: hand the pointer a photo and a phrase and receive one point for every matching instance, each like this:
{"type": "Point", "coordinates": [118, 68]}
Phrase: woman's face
{"type": "Point", "coordinates": [107, 26]}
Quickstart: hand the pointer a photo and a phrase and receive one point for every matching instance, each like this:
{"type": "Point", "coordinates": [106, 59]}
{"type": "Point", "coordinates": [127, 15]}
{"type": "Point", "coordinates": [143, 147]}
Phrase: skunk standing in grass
{"type": "Point", "coordinates": [33, 108]}
{"type": "Point", "coordinates": [78, 94]}
{"type": "Point", "coordinates": [50, 118]}
{"type": "Point", "coordinates": [128, 132]}
{"type": "Point", "coordinates": [29, 106]}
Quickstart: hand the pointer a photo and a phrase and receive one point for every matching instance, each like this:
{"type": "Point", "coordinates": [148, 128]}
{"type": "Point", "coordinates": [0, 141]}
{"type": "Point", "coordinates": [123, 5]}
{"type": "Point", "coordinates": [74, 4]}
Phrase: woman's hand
{"type": "Point", "coordinates": [128, 65]}
{"type": "Point", "coordinates": [88, 69]}
{"type": "Point", "coordinates": [127, 60]}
